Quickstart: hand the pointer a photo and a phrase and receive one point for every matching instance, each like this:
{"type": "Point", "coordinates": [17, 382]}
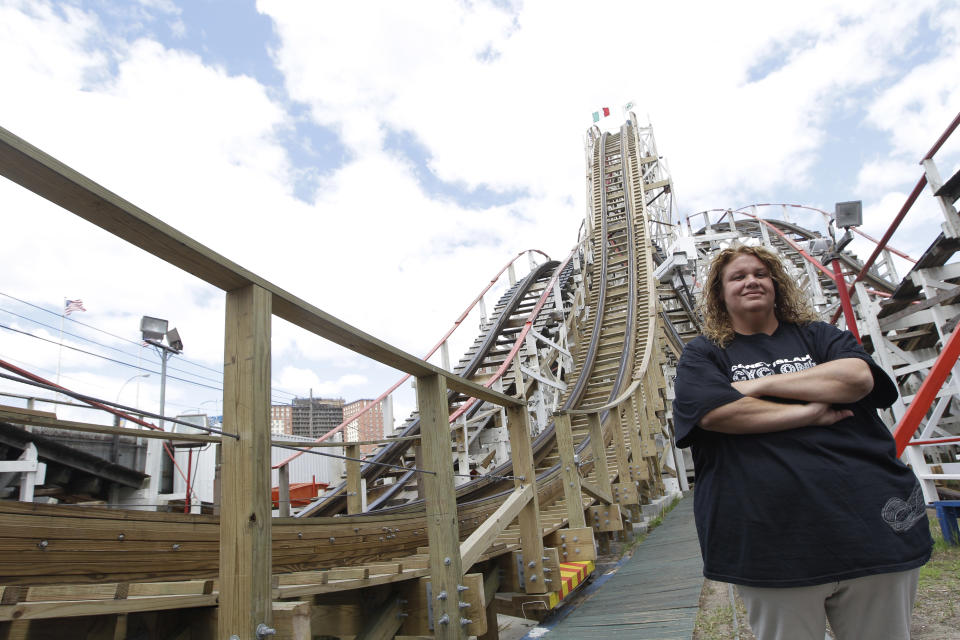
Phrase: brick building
{"type": "Point", "coordinates": [281, 419]}
{"type": "Point", "coordinates": [369, 426]}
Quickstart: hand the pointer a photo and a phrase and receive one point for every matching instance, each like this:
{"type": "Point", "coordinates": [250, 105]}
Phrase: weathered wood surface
{"type": "Point", "coordinates": [655, 594]}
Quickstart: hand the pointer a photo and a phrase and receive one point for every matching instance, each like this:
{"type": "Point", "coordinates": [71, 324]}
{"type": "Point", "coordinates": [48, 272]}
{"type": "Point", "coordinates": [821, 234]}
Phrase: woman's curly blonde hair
{"type": "Point", "coordinates": [790, 304]}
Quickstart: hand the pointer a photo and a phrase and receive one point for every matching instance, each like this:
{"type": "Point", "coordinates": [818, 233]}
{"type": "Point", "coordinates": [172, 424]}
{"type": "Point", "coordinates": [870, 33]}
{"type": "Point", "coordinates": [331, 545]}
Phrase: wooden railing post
{"type": "Point", "coordinates": [245, 544]}
{"type": "Point", "coordinates": [568, 471]}
{"type": "Point", "coordinates": [354, 499]}
{"type": "Point", "coordinates": [441, 504]}
{"type": "Point", "coordinates": [283, 491]}
{"type": "Point", "coordinates": [531, 534]}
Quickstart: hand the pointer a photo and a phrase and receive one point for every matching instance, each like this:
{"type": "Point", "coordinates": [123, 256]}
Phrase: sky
{"type": "Point", "coordinates": [383, 160]}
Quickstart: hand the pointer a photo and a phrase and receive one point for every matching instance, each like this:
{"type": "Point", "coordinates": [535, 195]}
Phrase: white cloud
{"type": "Point", "coordinates": [877, 176]}
{"type": "Point", "coordinates": [298, 378]}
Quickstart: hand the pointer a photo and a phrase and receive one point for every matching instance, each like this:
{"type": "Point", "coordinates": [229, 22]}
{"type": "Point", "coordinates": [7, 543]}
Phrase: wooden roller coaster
{"type": "Point", "coordinates": [551, 435]}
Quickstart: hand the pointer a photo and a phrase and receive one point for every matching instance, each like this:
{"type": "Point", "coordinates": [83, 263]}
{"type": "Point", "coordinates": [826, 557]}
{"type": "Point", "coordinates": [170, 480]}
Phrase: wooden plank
{"type": "Point", "coordinates": [245, 520]}
{"type": "Point", "coordinates": [568, 470]}
{"type": "Point", "coordinates": [531, 536]}
{"type": "Point", "coordinates": [337, 620]}
{"type": "Point", "coordinates": [380, 568]}
{"type": "Point", "coordinates": [605, 517]}
{"type": "Point", "coordinates": [67, 609]}
{"type": "Point", "coordinates": [335, 586]}
{"type": "Point", "coordinates": [19, 417]}
{"type": "Point", "coordinates": [283, 491]}
{"type": "Point", "coordinates": [303, 577]}
{"type": "Point", "coordinates": [551, 568]}
{"type": "Point", "coordinates": [485, 534]}
{"type": "Point", "coordinates": [384, 623]}
{"type": "Point", "coordinates": [626, 494]}
{"type": "Point", "coordinates": [637, 468]}
{"type": "Point", "coordinates": [440, 498]}
{"type": "Point", "coordinates": [574, 544]}
{"type": "Point", "coordinates": [491, 584]}
{"type": "Point", "coordinates": [619, 445]}
{"type": "Point", "coordinates": [292, 620]}
{"type": "Point", "coordinates": [354, 499]}
{"type": "Point", "coordinates": [418, 622]}
{"type": "Point", "coordinates": [593, 490]}
{"type": "Point", "coordinates": [327, 443]}
{"type": "Point", "coordinates": [348, 573]}
{"type": "Point", "coordinates": [598, 448]}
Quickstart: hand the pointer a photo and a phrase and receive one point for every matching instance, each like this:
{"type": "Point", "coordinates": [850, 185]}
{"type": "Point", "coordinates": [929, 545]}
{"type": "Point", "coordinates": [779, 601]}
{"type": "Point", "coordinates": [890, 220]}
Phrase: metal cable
{"type": "Point", "coordinates": [80, 396]}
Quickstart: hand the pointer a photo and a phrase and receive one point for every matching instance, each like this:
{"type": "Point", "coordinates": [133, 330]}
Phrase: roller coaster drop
{"type": "Point", "coordinates": [548, 437]}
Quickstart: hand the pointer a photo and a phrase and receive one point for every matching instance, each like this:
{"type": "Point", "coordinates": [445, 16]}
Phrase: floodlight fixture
{"type": "Point", "coordinates": [173, 339]}
{"type": "Point", "coordinates": [153, 328]}
{"type": "Point", "coordinates": [849, 214]}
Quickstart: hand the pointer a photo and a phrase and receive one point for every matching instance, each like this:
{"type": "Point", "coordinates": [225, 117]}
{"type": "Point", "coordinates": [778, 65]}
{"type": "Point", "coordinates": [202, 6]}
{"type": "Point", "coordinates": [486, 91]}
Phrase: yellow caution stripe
{"type": "Point", "coordinates": [572, 574]}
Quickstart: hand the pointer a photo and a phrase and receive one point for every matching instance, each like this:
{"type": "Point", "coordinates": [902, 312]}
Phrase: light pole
{"type": "Point", "coordinates": [168, 343]}
{"type": "Point", "coordinates": [154, 331]}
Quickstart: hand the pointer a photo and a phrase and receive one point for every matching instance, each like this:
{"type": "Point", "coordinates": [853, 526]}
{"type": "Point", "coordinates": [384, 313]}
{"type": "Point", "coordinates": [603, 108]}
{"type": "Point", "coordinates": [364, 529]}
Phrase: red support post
{"type": "Point", "coordinates": [927, 393]}
{"type": "Point", "coordinates": [845, 300]}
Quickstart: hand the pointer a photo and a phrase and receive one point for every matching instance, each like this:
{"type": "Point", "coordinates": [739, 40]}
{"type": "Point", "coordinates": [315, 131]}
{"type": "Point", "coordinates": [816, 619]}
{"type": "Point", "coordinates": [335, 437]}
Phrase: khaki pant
{"type": "Point", "coordinates": [868, 608]}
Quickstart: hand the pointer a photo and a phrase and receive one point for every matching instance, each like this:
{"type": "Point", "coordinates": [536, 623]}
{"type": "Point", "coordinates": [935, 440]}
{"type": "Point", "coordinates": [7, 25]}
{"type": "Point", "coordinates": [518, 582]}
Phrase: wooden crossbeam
{"type": "Point", "coordinates": [46, 419]}
{"type": "Point", "coordinates": [593, 490]}
{"type": "Point", "coordinates": [66, 609]}
{"type": "Point", "coordinates": [473, 547]}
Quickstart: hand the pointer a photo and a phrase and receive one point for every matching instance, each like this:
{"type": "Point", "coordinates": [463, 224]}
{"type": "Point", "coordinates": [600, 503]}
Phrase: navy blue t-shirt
{"type": "Point", "coordinates": [804, 506]}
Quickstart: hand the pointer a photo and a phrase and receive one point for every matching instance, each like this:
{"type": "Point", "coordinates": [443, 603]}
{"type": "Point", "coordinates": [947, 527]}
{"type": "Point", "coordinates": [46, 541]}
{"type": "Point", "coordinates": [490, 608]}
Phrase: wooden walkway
{"type": "Point", "coordinates": [655, 594]}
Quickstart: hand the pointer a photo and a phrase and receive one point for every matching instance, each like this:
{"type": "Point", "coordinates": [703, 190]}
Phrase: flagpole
{"type": "Point", "coordinates": [63, 314]}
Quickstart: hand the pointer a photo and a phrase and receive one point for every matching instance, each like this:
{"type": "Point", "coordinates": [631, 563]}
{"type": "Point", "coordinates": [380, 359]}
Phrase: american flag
{"type": "Point", "coordinates": [73, 305]}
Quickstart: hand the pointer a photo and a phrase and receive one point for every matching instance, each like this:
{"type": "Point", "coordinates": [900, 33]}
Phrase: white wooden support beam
{"type": "Point", "coordinates": [446, 568]}
{"type": "Point", "coordinates": [951, 224]}
{"type": "Point", "coordinates": [547, 341]}
{"type": "Point", "coordinates": [32, 471]}
{"type": "Point", "coordinates": [445, 356]}
{"type": "Point", "coordinates": [245, 527]}
{"type": "Point", "coordinates": [556, 384]}
{"type": "Point", "coordinates": [386, 410]}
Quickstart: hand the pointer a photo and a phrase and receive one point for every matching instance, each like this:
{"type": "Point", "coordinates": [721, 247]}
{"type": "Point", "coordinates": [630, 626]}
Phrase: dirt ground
{"type": "Point", "coordinates": [936, 615]}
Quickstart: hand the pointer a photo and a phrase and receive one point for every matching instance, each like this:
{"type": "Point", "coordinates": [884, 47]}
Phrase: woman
{"type": "Point", "coordinates": [800, 499]}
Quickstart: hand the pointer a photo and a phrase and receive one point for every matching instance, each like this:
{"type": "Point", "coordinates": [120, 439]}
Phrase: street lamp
{"type": "Point", "coordinates": [168, 342]}
{"type": "Point", "coordinates": [123, 386]}
{"type": "Point", "coordinates": [154, 330]}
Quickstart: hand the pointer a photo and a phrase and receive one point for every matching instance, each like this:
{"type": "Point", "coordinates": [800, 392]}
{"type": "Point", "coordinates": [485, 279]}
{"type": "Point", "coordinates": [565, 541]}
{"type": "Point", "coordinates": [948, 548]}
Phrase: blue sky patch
{"type": "Point", "coordinates": [778, 56]}
{"type": "Point", "coordinates": [232, 36]}
{"type": "Point", "coordinates": [406, 145]}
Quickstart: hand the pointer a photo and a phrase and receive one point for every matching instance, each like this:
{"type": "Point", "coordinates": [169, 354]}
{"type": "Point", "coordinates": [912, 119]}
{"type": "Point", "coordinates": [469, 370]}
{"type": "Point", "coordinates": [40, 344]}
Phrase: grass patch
{"type": "Point", "coordinates": [715, 624]}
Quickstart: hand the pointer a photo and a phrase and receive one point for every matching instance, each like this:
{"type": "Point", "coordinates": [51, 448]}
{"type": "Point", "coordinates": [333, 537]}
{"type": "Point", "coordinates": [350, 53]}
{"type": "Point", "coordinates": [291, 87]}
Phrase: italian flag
{"type": "Point", "coordinates": [603, 113]}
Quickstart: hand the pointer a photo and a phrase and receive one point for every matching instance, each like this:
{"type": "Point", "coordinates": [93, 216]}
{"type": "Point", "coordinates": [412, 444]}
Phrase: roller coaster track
{"type": "Point", "coordinates": [604, 365]}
